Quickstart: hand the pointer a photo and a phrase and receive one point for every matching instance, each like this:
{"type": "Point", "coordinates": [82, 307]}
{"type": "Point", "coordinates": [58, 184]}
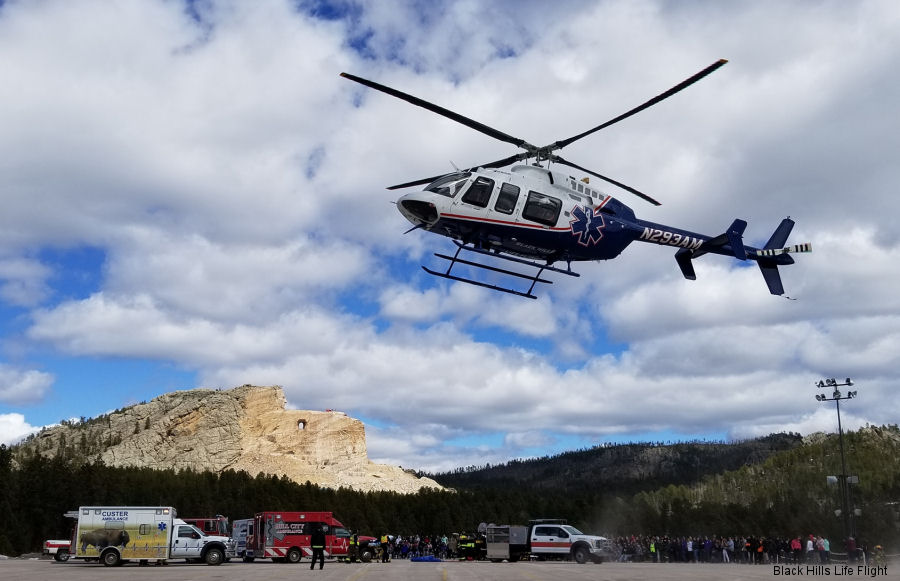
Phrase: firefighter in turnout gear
{"type": "Point", "coordinates": [466, 547]}
{"type": "Point", "coordinates": [353, 548]}
{"type": "Point", "coordinates": [317, 542]}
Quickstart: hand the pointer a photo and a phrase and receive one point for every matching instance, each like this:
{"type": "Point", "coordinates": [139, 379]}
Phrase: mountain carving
{"type": "Point", "coordinates": [246, 428]}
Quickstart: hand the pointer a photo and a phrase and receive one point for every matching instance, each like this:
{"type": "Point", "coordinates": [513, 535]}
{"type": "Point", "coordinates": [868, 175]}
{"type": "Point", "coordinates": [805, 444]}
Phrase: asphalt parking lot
{"type": "Point", "coordinates": [402, 570]}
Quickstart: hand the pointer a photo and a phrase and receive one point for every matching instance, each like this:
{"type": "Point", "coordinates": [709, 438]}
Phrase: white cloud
{"type": "Point", "coordinates": [13, 428]}
{"type": "Point", "coordinates": [23, 282]}
{"type": "Point", "coordinates": [23, 385]}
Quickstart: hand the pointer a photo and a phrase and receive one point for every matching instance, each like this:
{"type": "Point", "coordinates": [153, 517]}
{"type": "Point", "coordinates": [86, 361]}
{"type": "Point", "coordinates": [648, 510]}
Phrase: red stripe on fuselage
{"type": "Point", "coordinates": [506, 222]}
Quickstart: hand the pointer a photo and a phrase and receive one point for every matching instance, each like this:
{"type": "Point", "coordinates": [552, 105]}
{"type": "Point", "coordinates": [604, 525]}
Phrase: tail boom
{"type": "Point", "coordinates": [730, 243]}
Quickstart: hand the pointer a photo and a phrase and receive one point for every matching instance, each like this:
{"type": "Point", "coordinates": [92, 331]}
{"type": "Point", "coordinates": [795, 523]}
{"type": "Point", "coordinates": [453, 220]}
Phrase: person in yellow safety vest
{"type": "Point", "coordinates": [353, 548]}
{"type": "Point", "coordinates": [653, 552]}
{"type": "Point", "coordinates": [466, 547]}
{"type": "Point", "coordinates": [385, 548]}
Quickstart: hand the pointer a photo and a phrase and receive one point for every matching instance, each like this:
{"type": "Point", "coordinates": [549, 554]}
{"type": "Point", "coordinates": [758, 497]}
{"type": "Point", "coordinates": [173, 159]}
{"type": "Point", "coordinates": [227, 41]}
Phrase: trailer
{"type": "Point", "coordinates": [118, 534]}
{"type": "Point", "coordinates": [506, 542]}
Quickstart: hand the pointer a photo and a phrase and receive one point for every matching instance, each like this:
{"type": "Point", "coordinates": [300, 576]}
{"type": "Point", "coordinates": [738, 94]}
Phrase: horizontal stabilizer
{"type": "Point", "coordinates": [733, 237]}
{"type": "Point", "coordinates": [773, 279]}
{"type": "Point", "coordinates": [683, 258]}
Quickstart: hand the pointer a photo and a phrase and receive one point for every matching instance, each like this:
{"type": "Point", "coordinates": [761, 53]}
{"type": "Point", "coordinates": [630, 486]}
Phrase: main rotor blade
{"type": "Point", "coordinates": [503, 162]}
{"type": "Point", "coordinates": [471, 123]}
{"type": "Point", "coordinates": [494, 164]}
{"type": "Point", "coordinates": [682, 85]}
{"type": "Point", "coordinates": [637, 193]}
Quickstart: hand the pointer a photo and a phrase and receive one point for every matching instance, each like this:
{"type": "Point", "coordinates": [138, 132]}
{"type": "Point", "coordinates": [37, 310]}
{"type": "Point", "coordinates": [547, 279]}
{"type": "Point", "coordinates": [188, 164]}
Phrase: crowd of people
{"type": "Point", "coordinates": [414, 546]}
{"type": "Point", "coordinates": [747, 550]}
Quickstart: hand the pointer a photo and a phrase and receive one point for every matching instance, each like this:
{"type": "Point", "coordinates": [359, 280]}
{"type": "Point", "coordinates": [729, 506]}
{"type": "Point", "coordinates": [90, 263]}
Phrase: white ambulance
{"type": "Point", "coordinates": [114, 535]}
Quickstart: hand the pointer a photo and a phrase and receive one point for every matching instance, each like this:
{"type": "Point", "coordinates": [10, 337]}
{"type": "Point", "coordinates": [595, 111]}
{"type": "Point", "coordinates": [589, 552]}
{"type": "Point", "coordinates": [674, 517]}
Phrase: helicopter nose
{"type": "Point", "coordinates": [417, 211]}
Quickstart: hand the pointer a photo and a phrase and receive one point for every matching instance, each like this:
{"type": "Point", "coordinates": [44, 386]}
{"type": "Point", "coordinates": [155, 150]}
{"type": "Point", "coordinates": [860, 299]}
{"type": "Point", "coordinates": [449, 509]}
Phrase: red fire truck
{"type": "Point", "coordinates": [212, 525]}
{"type": "Point", "coordinates": [284, 536]}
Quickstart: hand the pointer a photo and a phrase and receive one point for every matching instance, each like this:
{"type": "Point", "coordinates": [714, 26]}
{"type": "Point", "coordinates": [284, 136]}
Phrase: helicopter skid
{"type": "Point", "coordinates": [536, 278]}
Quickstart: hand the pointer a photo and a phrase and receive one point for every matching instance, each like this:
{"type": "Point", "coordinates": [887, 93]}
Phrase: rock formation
{"type": "Point", "coordinates": [245, 428]}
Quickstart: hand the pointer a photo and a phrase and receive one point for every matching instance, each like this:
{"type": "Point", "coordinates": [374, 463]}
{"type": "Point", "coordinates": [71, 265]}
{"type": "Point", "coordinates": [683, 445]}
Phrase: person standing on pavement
{"type": "Point", "coordinates": [317, 542]}
{"type": "Point", "coordinates": [353, 549]}
{"type": "Point", "coordinates": [385, 548]}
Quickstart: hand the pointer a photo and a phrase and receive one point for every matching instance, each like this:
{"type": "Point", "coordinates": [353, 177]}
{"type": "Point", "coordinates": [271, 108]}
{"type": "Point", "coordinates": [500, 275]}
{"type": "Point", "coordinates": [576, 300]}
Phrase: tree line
{"type": "Point", "coordinates": [780, 493]}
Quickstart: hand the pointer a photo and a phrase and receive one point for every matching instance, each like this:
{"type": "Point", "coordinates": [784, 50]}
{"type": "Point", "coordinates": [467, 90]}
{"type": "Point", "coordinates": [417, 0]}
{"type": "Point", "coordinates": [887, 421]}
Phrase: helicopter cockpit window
{"type": "Point", "coordinates": [506, 201]}
{"type": "Point", "coordinates": [479, 193]}
{"type": "Point", "coordinates": [448, 185]}
{"type": "Point", "coordinates": [542, 209]}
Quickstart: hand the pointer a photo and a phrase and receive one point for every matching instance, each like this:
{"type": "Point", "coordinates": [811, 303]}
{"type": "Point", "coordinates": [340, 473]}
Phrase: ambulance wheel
{"type": "Point", "coordinates": [110, 558]}
{"type": "Point", "coordinates": [580, 554]}
{"type": "Point", "coordinates": [214, 556]}
{"type": "Point", "coordinates": [294, 556]}
{"type": "Point", "coordinates": [61, 556]}
{"type": "Point", "coordinates": [366, 556]}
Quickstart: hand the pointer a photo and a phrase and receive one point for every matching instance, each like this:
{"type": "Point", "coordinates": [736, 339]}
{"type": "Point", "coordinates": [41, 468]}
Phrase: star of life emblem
{"type": "Point", "coordinates": [587, 225]}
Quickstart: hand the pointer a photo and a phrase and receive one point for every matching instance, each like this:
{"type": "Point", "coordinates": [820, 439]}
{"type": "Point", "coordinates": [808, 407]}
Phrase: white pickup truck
{"type": "Point", "coordinates": [59, 548]}
{"type": "Point", "coordinates": [545, 539]}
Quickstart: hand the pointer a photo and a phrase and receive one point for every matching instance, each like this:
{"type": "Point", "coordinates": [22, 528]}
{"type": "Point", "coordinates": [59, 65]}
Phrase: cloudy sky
{"type": "Point", "coordinates": [193, 197]}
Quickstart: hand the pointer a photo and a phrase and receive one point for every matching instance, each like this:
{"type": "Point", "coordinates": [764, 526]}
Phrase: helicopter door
{"type": "Point", "coordinates": [479, 193]}
{"type": "Point", "coordinates": [507, 199]}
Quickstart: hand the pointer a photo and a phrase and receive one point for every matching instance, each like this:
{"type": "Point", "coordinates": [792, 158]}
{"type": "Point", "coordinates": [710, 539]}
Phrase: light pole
{"type": "Point", "coordinates": [836, 397]}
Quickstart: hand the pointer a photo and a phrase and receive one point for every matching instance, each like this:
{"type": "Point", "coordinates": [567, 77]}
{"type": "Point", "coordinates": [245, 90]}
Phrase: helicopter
{"type": "Point", "coordinates": [534, 216]}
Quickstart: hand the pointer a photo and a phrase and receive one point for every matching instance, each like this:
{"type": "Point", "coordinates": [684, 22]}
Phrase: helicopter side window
{"type": "Point", "coordinates": [506, 201]}
{"type": "Point", "coordinates": [542, 209]}
{"type": "Point", "coordinates": [479, 193]}
{"type": "Point", "coordinates": [448, 185]}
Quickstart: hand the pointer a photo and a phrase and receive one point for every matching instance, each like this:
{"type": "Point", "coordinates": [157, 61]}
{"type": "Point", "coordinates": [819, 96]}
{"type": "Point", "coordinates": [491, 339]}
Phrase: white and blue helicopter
{"type": "Point", "coordinates": [537, 217]}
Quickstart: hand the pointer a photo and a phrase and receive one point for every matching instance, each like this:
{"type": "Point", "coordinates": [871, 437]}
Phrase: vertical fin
{"type": "Point", "coordinates": [780, 236]}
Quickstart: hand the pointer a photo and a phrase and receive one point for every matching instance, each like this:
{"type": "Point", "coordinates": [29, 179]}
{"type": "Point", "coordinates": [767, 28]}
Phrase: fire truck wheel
{"type": "Point", "coordinates": [580, 554]}
{"type": "Point", "coordinates": [214, 556]}
{"type": "Point", "coordinates": [110, 558]}
{"type": "Point", "coordinates": [61, 555]}
{"type": "Point", "coordinates": [294, 556]}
